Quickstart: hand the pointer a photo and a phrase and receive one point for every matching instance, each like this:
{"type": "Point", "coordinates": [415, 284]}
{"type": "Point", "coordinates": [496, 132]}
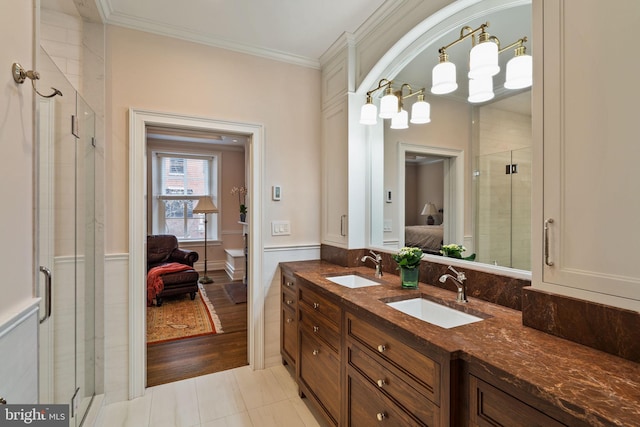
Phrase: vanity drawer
{"type": "Point", "coordinates": [417, 366]}
{"type": "Point", "coordinates": [288, 300]}
{"type": "Point", "coordinates": [368, 407]}
{"type": "Point", "coordinates": [319, 304]}
{"type": "Point", "coordinates": [412, 397]}
{"type": "Point", "coordinates": [316, 325]}
{"type": "Point", "coordinates": [289, 282]}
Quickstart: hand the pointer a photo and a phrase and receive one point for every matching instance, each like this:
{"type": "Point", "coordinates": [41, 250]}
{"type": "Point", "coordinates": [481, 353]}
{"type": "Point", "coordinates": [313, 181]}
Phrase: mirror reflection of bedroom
{"type": "Point", "coordinates": [424, 201]}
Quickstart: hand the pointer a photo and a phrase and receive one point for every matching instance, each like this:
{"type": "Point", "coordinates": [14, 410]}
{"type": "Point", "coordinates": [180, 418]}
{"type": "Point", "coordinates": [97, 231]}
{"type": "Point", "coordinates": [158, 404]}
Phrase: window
{"type": "Point", "coordinates": [178, 180]}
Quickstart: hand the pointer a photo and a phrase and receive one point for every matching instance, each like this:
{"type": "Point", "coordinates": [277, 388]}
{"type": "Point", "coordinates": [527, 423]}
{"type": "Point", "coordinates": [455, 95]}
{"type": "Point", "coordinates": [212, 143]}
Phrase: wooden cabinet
{"type": "Point", "coordinates": [318, 368]}
{"type": "Point", "coordinates": [493, 407]}
{"type": "Point", "coordinates": [288, 319]}
{"type": "Point", "coordinates": [585, 143]}
{"type": "Point", "coordinates": [389, 380]}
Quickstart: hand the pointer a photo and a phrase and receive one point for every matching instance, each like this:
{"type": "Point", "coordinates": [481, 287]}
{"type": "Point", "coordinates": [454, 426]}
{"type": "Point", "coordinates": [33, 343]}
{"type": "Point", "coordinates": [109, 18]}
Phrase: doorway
{"type": "Point", "coordinates": [139, 120]}
{"type": "Point", "coordinates": [191, 337]}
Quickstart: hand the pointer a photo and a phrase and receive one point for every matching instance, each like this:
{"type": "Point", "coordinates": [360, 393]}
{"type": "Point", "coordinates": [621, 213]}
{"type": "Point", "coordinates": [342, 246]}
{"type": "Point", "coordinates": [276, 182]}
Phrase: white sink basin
{"type": "Point", "coordinates": [434, 313]}
{"type": "Point", "coordinates": [352, 281]}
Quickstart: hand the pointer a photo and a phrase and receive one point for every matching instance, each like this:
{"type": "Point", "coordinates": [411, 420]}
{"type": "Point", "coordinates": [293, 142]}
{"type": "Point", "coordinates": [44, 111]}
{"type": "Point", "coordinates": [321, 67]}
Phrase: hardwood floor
{"type": "Point", "coordinates": [191, 357]}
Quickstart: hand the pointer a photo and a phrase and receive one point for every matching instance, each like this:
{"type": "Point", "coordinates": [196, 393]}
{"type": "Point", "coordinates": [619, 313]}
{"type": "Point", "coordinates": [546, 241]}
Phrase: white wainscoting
{"type": "Point", "coordinates": [116, 327]}
{"type": "Point", "coordinates": [273, 256]}
{"type": "Point", "coordinates": [19, 350]}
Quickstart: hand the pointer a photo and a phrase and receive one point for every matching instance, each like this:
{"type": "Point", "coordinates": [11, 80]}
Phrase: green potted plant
{"type": "Point", "coordinates": [454, 250]}
{"type": "Point", "coordinates": [408, 259]}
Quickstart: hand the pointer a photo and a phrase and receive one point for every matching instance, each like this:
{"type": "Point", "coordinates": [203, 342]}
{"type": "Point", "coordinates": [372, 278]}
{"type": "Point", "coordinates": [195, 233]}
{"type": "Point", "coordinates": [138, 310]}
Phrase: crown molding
{"type": "Point", "coordinates": [135, 23]}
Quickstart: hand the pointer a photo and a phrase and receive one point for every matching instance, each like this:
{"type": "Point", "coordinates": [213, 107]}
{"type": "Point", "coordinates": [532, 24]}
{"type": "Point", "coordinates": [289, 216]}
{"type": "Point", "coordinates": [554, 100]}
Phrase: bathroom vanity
{"type": "Point", "coordinates": [363, 362]}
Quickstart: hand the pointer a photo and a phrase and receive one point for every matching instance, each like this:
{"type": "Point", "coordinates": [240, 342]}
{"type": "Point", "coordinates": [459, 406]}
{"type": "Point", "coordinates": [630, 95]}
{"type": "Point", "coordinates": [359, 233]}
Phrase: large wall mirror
{"type": "Point", "coordinates": [465, 177]}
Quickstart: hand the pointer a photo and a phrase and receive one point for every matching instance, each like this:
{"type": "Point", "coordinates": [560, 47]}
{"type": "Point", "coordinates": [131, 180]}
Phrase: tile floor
{"type": "Point", "coordinates": [235, 398]}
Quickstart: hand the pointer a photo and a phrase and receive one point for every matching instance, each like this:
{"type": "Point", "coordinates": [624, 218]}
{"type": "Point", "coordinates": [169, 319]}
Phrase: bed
{"type": "Point", "coordinates": [426, 237]}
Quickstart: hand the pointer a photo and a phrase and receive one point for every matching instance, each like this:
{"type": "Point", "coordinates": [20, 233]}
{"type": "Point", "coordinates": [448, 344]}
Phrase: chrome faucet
{"type": "Point", "coordinates": [459, 281]}
{"type": "Point", "coordinates": [377, 259]}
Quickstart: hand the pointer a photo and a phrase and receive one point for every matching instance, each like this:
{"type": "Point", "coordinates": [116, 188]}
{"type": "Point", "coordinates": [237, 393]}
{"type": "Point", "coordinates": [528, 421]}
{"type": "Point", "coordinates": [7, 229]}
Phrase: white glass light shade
{"type": "Point", "coordinates": [368, 114]}
{"type": "Point", "coordinates": [519, 72]}
{"type": "Point", "coordinates": [443, 78]}
{"type": "Point", "coordinates": [480, 90]}
{"type": "Point", "coordinates": [483, 60]}
{"type": "Point", "coordinates": [420, 112]}
{"type": "Point", "coordinates": [400, 120]}
{"type": "Point", "coordinates": [388, 106]}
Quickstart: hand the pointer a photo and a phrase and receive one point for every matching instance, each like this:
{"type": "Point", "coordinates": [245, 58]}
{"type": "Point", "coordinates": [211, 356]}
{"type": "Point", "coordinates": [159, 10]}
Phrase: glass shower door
{"type": "Point", "coordinates": [66, 244]}
{"type": "Point", "coordinates": [503, 209]}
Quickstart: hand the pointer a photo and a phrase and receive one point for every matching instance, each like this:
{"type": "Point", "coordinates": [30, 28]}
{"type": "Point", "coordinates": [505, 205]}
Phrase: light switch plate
{"type": "Point", "coordinates": [280, 228]}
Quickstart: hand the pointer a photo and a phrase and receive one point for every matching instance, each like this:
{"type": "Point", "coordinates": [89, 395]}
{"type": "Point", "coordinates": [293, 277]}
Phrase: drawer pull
{"type": "Point", "coordinates": [381, 383]}
{"type": "Point", "coordinates": [381, 416]}
{"type": "Point", "coordinates": [316, 329]}
{"type": "Point", "coordinates": [289, 284]}
{"type": "Point", "coordinates": [315, 352]}
{"type": "Point", "coordinates": [289, 302]}
{"type": "Point", "coordinates": [289, 320]}
{"type": "Point", "coordinates": [382, 348]}
{"type": "Point", "coordinates": [316, 305]}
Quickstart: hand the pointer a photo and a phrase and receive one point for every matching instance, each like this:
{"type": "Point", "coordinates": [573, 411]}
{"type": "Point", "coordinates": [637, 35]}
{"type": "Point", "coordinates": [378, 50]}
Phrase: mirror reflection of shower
{"type": "Point", "coordinates": [502, 181]}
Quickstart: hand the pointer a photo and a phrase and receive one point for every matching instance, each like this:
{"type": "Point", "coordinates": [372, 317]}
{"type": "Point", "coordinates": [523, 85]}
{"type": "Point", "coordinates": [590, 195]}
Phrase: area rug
{"type": "Point", "coordinates": [179, 317]}
{"type": "Point", "coordinates": [236, 291]}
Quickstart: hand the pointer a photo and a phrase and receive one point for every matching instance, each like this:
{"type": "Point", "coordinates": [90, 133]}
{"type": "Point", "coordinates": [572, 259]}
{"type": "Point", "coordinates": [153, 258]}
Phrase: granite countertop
{"type": "Point", "coordinates": [598, 388]}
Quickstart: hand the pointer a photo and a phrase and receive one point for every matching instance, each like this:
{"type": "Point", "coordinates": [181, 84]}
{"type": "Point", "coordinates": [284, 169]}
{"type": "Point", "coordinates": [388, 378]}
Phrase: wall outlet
{"type": "Point", "coordinates": [280, 228]}
{"type": "Point", "coordinates": [388, 225]}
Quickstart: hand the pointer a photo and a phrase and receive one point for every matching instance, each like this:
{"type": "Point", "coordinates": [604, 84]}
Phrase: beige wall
{"type": "Point", "coordinates": [16, 138]}
{"type": "Point", "coordinates": [152, 72]}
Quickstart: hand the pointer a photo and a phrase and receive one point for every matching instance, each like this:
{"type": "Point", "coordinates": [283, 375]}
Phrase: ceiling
{"type": "Point", "coordinates": [297, 31]}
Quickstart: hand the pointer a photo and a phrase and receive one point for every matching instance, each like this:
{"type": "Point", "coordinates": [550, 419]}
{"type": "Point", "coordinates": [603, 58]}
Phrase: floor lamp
{"type": "Point", "coordinates": [205, 206]}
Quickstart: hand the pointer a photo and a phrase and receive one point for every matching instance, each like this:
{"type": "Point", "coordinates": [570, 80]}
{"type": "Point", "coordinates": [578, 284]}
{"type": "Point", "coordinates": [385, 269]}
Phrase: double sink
{"type": "Point", "coordinates": [419, 307]}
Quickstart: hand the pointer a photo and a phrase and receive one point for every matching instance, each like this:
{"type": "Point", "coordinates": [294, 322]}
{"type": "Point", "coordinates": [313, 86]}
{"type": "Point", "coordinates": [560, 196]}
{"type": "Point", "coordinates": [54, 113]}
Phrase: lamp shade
{"type": "Point", "coordinates": [420, 111]}
{"type": "Point", "coordinates": [205, 206]}
{"type": "Point", "coordinates": [400, 120]}
{"type": "Point", "coordinates": [519, 72]}
{"type": "Point", "coordinates": [480, 90]}
{"type": "Point", "coordinates": [443, 78]}
{"type": "Point", "coordinates": [388, 105]}
{"type": "Point", "coordinates": [368, 114]}
{"type": "Point", "coordinates": [429, 209]}
{"type": "Point", "coordinates": [483, 60]}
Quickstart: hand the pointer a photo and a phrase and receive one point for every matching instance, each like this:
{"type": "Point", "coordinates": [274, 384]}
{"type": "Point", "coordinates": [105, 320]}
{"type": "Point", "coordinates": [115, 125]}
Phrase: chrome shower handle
{"type": "Point", "coordinates": [47, 293]}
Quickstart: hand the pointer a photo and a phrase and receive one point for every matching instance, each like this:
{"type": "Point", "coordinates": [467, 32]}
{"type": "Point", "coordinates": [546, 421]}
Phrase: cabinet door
{"type": "Point", "coordinates": [591, 201]}
{"type": "Point", "coordinates": [335, 163]}
{"type": "Point", "coordinates": [492, 407]}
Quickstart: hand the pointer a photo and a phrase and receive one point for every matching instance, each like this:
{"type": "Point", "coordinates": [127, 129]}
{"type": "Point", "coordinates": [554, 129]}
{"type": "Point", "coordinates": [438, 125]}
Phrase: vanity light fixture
{"type": "Point", "coordinates": [483, 65]}
{"type": "Point", "coordinates": [391, 107]}
{"type": "Point", "coordinates": [519, 68]}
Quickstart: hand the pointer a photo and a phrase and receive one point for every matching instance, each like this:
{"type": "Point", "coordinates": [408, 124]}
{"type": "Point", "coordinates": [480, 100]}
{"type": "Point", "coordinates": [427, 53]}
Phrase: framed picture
{"type": "Point", "coordinates": [275, 194]}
